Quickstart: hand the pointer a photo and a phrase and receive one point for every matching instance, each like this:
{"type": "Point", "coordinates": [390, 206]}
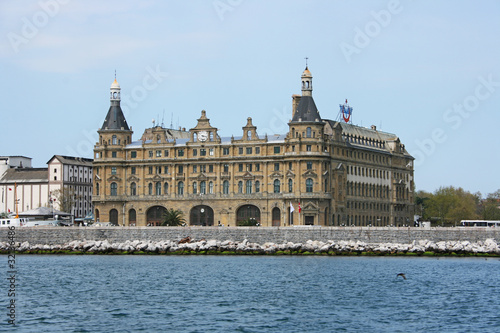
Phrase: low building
{"type": "Point", "coordinates": [322, 172]}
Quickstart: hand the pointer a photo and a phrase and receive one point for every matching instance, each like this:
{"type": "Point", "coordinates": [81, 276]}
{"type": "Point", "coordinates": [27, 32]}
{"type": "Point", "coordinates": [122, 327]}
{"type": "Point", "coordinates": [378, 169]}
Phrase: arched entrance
{"type": "Point", "coordinates": [276, 217]}
{"type": "Point", "coordinates": [247, 213]}
{"type": "Point", "coordinates": [201, 215]}
{"type": "Point", "coordinates": [132, 217]}
{"type": "Point", "coordinates": [113, 216]}
{"type": "Point", "coordinates": [155, 215]}
{"type": "Point", "coordinates": [97, 217]}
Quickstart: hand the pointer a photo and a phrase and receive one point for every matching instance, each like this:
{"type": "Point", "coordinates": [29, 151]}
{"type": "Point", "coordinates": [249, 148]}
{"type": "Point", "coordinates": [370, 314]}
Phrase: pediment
{"type": "Point", "coordinates": [114, 178]}
{"type": "Point", "coordinates": [309, 173]}
{"type": "Point", "coordinates": [340, 167]}
{"type": "Point", "coordinates": [276, 174]}
{"type": "Point", "coordinates": [290, 174]}
{"type": "Point", "coordinates": [133, 179]}
{"type": "Point", "coordinates": [310, 206]}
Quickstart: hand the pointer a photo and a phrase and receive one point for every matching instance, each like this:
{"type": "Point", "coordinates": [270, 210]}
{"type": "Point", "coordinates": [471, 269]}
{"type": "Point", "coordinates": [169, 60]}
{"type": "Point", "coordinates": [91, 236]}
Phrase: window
{"type": "Point", "coordinates": [113, 170]}
{"type": "Point", "coordinates": [203, 168]}
{"type": "Point", "coordinates": [132, 170]}
{"type": "Point", "coordinates": [203, 187]}
{"type": "Point", "coordinates": [114, 189]}
{"type": "Point", "coordinates": [257, 167]}
{"type": "Point", "coordinates": [158, 188]}
{"type": "Point", "coordinates": [150, 153]}
{"type": "Point", "coordinates": [211, 187]}
{"type": "Point", "coordinates": [289, 165]}
{"type": "Point", "coordinates": [249, 167]}
{"type": "Point", "coordinates": [308, 148]}
{"type": "Point", "coordinates": [211, 152]}
{"type": "Point", "coordinates": [225, 151]}
{"type": "Point", "coordinates": [290, 185]}
{"type": "Point", "coordinates": [133, 189]}
{"type": "Point", "coordinates": [308, 132]}
{"type": "Point", "coordinates": [181, 169]}
{"type": "Point", "coordinates": [309, 185]}
{"type": "Point", "coordinates": [113, 140]}
{"type": "Point", "coordinates": [257, 186]}
{"type": "Point", "coordinates": [180, 188]}
{"type": "Point", "coordinates": [226, 167]}
{"type": "Point", "coordinates": [150, 170]}
{"type": "Point", "coordinates": [276, 166]}
{"type": "Point", "coordinates": [225, 187]}
{"type": "Point", "coordinates": [240, 167]}
{"type": "Point", "coordinates": [150, 188]}
{"type": "Point", "coordinates": [257, 150]}
{"type": "Point", "coordinates": [277, 150]}
{"type": "Point", "coordinates": [113, 154]}
{"type": "Point", "coordinates": [240, 150]}
{"type": "Point", "coordinates": [165, 188]}
{"type": "Point", "coordinates": [249, 150]}
{"type": "Point", "coordinates": [166, 153]}
{"type": "Point", "coordinates": [158, 170]}
{"type": "Point", "coordinates": [240, 187]}
{"type": "Point", "coordinates": [309, 165]}
{"type": "Point", "coordinates": [277, 186]}
{"type": "Point", "coordinates": [195, 152]}
{"type": "Point", "coordinates": [195, 187]}
{"type": "Point", "coordinates": [158, 153]}
{"type": "Point", "coordinates": [97, 188]}
{"type": "Point", "coordinates": [248, 187]}
{"type": "Point", "coordinates": [180, 152]}
{"type": "Point", "coordinates": [195, 168]}
{"type": "Point", "coordinates": [203, 152]}
{"type": "Point", "coordinates": [166, 169]}
{"type": "Point", "coordinates": [211, 168]}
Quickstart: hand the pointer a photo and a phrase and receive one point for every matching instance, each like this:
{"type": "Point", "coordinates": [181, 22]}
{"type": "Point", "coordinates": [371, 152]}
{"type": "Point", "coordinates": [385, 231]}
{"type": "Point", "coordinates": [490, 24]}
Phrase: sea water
{"type": "Point", "coordinates": [139, 293]}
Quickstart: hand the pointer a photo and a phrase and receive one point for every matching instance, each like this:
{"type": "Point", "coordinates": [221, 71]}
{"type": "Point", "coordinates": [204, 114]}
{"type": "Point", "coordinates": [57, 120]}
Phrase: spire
{"type": "Point", "coordinates": [306, 82]}
{"type": "Point", "coordinates": [115, 120]}
{"type": "Point", "coordinates": [306, 109]}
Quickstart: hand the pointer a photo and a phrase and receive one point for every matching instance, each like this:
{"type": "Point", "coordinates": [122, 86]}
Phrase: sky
{"type": "Point", "coordinates": [428, 71]}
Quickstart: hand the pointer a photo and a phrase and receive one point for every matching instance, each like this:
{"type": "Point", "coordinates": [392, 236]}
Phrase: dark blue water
{"type": "Point", "coordinates": [253, 294]}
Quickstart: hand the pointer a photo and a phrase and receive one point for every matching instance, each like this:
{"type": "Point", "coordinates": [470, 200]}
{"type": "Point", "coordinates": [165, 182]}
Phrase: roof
{"type": "Point", "coordinates": [306, 110]}
{"type": "Point", "coordinates": [25, 175]}
{"type": "Point", "coordinates": [115, 120]}
{"type": "Point", "coordinates": [73, 160]}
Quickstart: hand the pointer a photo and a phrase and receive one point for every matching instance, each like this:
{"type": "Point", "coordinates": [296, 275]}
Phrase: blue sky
{"type": "Point", "coordinates": [428, 71]}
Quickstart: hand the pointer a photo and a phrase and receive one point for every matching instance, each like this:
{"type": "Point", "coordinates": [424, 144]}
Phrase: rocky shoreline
{"type": "Point", "coordinates": [201, 247]}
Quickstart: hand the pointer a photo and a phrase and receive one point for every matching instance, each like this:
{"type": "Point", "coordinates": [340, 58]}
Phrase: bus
{"type": "Point", "coordinates": [479, 223]}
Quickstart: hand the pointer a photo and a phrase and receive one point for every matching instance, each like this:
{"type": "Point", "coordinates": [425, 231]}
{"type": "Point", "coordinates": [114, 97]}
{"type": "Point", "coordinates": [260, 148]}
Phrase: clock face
{"type": "Point", "coordinates": [203, 136]}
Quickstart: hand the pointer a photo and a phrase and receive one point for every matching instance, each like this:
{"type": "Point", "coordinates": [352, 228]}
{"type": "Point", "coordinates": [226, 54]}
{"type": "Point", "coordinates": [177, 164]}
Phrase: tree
{"type": "Point", "coordinates": [449, 205]}
{"type": "Point", "coordinates": [490, 207]}
{"type": "Point", "coordinates": [65, 198]}
{"type": "Point", "coordinates": [173, 218]}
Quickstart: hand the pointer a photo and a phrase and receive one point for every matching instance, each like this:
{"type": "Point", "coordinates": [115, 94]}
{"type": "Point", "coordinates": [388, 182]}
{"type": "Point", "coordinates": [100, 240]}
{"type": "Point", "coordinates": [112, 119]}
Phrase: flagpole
{"type": "Point", "coordinates": [15, 200]}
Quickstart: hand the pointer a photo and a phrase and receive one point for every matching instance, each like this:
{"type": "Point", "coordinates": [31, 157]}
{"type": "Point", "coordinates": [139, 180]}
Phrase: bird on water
{"type": "Point", "coordinates": [402, 275]}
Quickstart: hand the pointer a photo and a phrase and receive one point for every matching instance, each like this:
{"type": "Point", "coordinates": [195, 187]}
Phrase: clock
{"type": "Point", "coordinates": [203, 136]}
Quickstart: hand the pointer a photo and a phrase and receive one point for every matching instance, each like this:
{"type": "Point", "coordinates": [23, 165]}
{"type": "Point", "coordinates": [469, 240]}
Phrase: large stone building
{"type": "Point", "coordinates": [321, 172]}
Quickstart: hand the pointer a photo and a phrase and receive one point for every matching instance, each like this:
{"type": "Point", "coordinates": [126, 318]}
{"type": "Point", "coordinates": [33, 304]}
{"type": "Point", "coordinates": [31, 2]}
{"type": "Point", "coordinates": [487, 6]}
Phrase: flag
{"type": "Point", "coordinates": [9, 210]}
{"type": "Point", "coordinates": [300, 209]}
{"type": "Point", "coordinates": [291, 207]}
{"type": "Point", "coordinates": [10, 189]}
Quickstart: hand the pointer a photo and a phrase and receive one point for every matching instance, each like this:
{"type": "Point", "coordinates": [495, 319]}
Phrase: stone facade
{"type": "Point", "coordinates": [321, 172]}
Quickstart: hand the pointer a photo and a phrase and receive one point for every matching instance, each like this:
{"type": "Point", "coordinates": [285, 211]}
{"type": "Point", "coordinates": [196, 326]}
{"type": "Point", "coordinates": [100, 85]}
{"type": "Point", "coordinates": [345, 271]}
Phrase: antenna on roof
{"type": "Point", "coordinates": [172, 120]}
{"type": "Point", "coordinates": [306, 60]}
{"type": "Point", "coordinates": [115, 74]}
{"type": "Point", "coordinates": [162, 117]}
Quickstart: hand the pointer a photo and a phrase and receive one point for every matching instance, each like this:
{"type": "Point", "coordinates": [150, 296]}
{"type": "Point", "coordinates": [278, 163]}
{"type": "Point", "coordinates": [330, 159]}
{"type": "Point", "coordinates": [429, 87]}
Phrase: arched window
{"type": "Point", "coordinates": [225, 187]}
{"type": "Point", "coordinates": [180, 188]}
{"type": "Point", "coordinates": [113, 139]}
{"type": "Point", "coordinates": [309, 185]}
{"type": "Point", "coordinates": [308, 132]}
{"type": "Point", "coordinates": [157, 188]}
{"type": "Point", "coordinates": [97, 188]}
{"type": "Point", "coordinates": [114, 189]}
{"type": "Point", "coordinates": [290, 185]}
{"type": "Point", "coordinates": [133, 189]}
{"type": "Point", "coordinates": [257, 186]}
{"type": "Point", "coordinates": [203, 187]}
{"type": "Point", "coordinates": [277, 186]}
{"type": "Point", "coordinates": [248, 187]}
{"type": "Point", "coordinates": [165, 188]}
{"type": "Point", "coordinates": [195, 187]}
{"type": "Point", "coordinates": [211, 187]}
{"type": "Point", "coordinates": [132, 217]}
{"type": "Point", "coordinates": [240, 187]}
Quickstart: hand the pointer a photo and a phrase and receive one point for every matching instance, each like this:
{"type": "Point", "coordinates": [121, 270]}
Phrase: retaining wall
{"type": "Point", "coordinates": [259, 235]}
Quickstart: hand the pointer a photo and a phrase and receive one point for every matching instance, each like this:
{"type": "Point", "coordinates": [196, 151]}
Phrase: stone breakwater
{"type": "Point", "coordinates": [188, 246]}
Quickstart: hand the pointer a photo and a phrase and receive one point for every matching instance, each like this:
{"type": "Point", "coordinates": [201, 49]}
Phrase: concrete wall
{"type": "Point", "coordinates": [260, 235]}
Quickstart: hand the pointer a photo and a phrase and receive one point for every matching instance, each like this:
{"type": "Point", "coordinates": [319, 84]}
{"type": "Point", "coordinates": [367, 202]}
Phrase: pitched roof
{"type": "Point", "coordinates": [307, 110]}
{"type": "Point", "coordinates": [25, 175]}
{"type": "Point", "coordinates": [73, 160]}
{"type": "Point", "coordinates": [115, 120]}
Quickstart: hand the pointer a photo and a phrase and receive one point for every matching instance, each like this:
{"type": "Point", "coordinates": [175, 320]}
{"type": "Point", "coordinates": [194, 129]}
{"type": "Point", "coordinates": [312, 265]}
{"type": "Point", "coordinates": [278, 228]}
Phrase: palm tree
{"type": "Point", "coordinates": [173, 218]}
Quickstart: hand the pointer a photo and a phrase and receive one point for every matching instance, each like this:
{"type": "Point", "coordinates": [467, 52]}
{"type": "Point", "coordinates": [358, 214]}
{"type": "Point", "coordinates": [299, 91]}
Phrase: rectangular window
{"type": "Point", "coordinates": [226, 167]}
{"type": "Point", "coordinates": [276, 166]}
{"type": "Point", "coordinates": [158, 170]}
{"type": "Point", "coordinates": [277, 149]}
{"type": "Point", "coordinates": [225, 151]}
{"type": "Point", "coordinates": [113, 154]}
{"type": "Point", "coordinates": [132, 170]}
{"type": "Point", "coordinates": [195, 168]}
{"type": "Point", "coordinates": [150, 153]}
{"type": "Point", "coordinates": [195, 152]}
{"type": "Point", "coordinates": [203, 168]}
{"type": "Point", "coordinates": [180, 152]}
{"type": "Point", "coordinates": [158, 153]}
{"type": "Point", "coordinates": [166, 170]}
{"type": "Point", "coordinates": [113, 170]}
{"type": "Point", "coordinates": [181, 169]}
{"type": "Point", "coordinates": [257, 167]}
{"type": "Point", "coordinates": [257, 150]}
{"type": "Point", "coordinates": [240, 167]}
{"type": "Point", "coordinates": [166, 153]}
{"type": "Point", "coordinates": [249, 167]}
{"type": "Point", "coordinates": [150, 170]}
{"type": "Point", "coordinates": [133, 154]}
{"type": "Point", "coordinates": [308, 148]}
{"type": "Point", "coordinates": [249, 150]}
{"type": "Point", "coordinates": [240, 150]}
{"type": "Point", "coordinates": [289, 165]}
{"type": "Point", "coordinates": [203, 152]}
{"type": "Point", "coordinates": [210, 168]}
{"type": "Point", "coordinates": [211, 152]}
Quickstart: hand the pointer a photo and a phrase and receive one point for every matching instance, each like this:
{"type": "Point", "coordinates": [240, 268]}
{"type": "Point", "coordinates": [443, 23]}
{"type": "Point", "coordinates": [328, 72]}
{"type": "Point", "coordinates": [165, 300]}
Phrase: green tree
{"type": "Point", "coordinates": [173, 218]}
{"type": "Point", "coordinates": [251, 222]}
{"type": "Point", "coordinates": [449, 205]}
{"type": "Point", "coordinates": [490, 207]}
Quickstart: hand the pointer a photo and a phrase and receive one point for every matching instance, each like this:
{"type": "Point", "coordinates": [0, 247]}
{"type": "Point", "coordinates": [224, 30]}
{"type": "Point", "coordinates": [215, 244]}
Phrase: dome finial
{"type": "Point", "coordinates": [306, 61]}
